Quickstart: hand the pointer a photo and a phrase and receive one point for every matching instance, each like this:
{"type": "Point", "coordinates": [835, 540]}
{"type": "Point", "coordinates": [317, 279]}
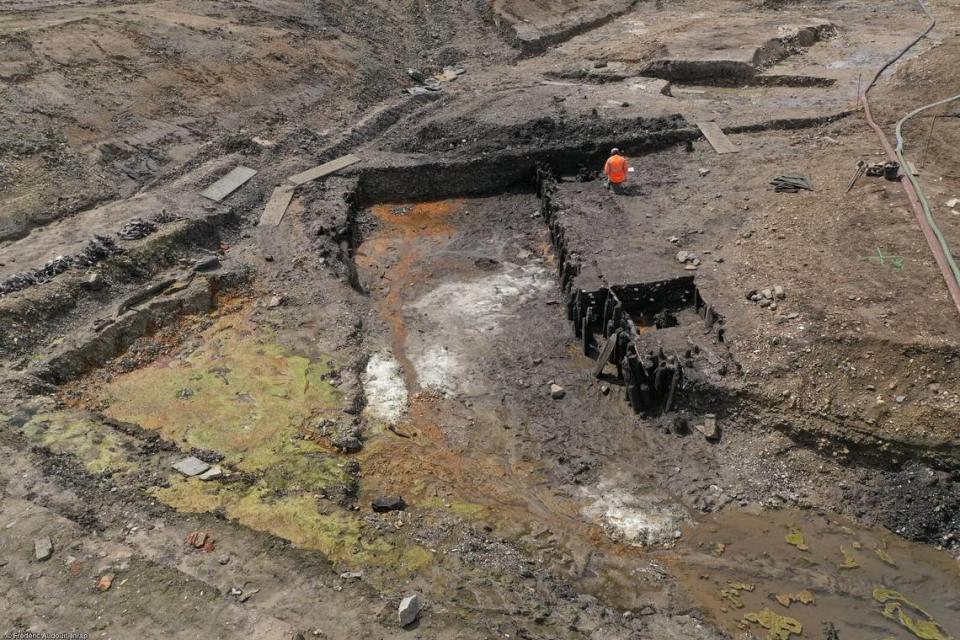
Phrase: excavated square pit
{"type": "Point", "coordinates": [452, 280]}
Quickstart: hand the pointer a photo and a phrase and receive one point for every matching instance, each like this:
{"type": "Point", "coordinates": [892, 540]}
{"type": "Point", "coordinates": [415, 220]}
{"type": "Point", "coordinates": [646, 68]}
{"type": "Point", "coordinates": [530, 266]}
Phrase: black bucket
{"type": "Point", "coordinates": [891, 170]}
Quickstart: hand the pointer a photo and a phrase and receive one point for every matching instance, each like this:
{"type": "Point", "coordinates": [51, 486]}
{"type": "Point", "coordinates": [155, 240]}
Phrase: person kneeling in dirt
{"type": "Point", "coordinates": [616, 170]}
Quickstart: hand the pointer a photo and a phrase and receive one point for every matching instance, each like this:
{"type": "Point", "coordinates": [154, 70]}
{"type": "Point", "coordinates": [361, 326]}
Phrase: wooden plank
{"type": "Point", "coordinates": [605, 354]}
{"type": "Point", "coordinates": [228, 183]}
{"type": "Point", "coordinates": [717, 138]}
{"type": "Point", "coordinates": [277, 205]}
{"type": "Point", "coordinates": [324, 169]}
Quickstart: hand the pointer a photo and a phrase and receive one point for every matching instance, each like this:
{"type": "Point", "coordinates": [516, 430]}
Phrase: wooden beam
{"type": "Point", "coordinates": [716, 137]}
{"type": "Point", "coordinates": [228, 183]}
{"type": "Point", "coordinates": [324, 169]}
{"type": "Point", "coordinates": [277, 205]}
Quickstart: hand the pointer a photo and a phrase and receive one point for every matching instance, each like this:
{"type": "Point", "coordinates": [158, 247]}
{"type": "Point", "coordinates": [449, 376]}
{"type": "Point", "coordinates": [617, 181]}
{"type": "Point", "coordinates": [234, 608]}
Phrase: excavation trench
{"type": "Point", "coordinates": [470, 304]}
{"type": "Point", "coordinates": [465, 288]}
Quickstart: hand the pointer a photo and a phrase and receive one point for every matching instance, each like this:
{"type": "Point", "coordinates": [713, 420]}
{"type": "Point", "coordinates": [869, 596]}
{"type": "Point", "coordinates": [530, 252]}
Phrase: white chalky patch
{"type": "Point", "coordinates": [384, 388]}
{"type": "Point", "coordinates": [638, 519]}
{"type": "Point", "coordinates": [461, 321]}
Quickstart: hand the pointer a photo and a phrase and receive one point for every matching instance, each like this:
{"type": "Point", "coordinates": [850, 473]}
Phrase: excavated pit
{"type": "Point", "coordinates": [591, 434]}
{"type": "Point", "coordinates": [471, 296]}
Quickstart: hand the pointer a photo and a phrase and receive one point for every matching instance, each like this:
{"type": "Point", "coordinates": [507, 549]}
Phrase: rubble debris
{"type": "Point", "coordinates": [347, 439]}
{"type": "Point", "coordinates": [165, 216]}
{"type": "Point", "coordinates": [952, 203]}
{"type": "Point", "coordinates": [207, 264]}
{"type": "Point", "coordinates": [245, 594]}
{"type": "Point", "coordinates": [709, 428]}
{"type": "Point", "coordinates": [684, 257]}
{"type": "Point", "coordinates": [351, 575]}
{"type": "Point", "coordinates": [792, 183]}
{"type": "Point", "coordinates": [96, 249]}
{"type": "Point", "coordinates": [229, 183]}
{"type": "Point", "coordinates": [274, 302]}
{"type": "Point", "coordinates": [447, 75]}
{"type": "Point", "coordinates": [191, 466]}
{"type": "Point", "coordinates": [212, 473]}
{"type": "Point", "coordinates": [105, 582]}
{"type": "Point", "coordinates": [93, 281]}
{"type": "Point", "coordinates": [144, 294]}
{"type": "Point", "coordinates": [767, 297]}
{"type": "Point", "coordinates": [43, 548]}
{"type": "Point", "coordinates": [385, 504]}
{"type": "Point", "coordinates": [136, 228]}
{"type": "Point", "coordinates": [409, 610]}
{"type": "Point", "coordinates": [199, 540]}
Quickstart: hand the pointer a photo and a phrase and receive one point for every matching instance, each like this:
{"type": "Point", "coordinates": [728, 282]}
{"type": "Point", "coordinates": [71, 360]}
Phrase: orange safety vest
{"type": "Point", "coordinates": [616, 169]}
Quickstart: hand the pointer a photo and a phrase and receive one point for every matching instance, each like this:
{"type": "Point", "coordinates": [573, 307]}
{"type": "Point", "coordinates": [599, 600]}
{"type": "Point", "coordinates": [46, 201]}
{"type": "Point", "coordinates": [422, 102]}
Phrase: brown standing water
{"type": "Point", "coordinates": [815, 568]}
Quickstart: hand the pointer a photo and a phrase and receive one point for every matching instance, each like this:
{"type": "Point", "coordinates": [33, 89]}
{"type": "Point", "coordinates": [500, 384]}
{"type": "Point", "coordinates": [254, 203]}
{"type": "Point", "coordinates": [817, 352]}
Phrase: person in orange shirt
{"type": "Point", "coordinates": [616, 170]}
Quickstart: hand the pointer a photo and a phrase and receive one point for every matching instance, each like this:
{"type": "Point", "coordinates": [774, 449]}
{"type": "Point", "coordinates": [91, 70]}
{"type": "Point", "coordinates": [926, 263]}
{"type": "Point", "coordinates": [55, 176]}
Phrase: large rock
{"type": "Point", "coordinates": [347, 439]}
{"type": "Point", "coordinates": [709, 428]}
{"type": "Point", "coordinates": [191, 466]}
{"type": "Point", "coordinates": [385, 504]}
{"type": "Point", "coordinates": [43, 548]}
{"type": "Point", "coordinates": [409, 610]}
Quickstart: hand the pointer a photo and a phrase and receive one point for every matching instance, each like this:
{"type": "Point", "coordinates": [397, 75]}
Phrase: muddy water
{"type": "Point", "coordinates": [809, 569]}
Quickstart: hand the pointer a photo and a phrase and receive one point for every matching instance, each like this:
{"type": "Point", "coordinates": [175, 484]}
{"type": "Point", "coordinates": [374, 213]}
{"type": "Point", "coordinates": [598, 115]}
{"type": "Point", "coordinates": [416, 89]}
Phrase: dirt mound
{"type": "Point", "coordinates": [542, 132]}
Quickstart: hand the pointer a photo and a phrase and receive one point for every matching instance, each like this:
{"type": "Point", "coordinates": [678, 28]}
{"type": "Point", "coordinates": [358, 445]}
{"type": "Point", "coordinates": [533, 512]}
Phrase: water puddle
{"type": "Point", "coordinates": [790, 574]}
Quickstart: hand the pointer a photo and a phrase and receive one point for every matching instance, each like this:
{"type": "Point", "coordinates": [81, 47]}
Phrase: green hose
{"type": "Point", "coordinates": [905, 167]}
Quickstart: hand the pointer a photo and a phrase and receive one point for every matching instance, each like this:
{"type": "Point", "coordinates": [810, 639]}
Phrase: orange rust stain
{"type": "Point", "coordinates": [426, 465]}
{"type": "Point", "coordinates": [396, 253]}
{"type": "Point", "coordinates": [417, 214]}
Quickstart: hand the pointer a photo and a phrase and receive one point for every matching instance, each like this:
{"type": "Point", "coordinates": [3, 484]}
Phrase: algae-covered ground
{"type": "Point", "coordinates": [235, 391]}
{"type": "Point", "coordinates": [98, 448]}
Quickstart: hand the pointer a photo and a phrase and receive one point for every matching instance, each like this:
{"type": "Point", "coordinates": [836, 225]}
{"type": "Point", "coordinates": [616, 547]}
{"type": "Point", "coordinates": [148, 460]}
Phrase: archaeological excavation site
{"type": "Point", "coordinates": [477, 319]}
